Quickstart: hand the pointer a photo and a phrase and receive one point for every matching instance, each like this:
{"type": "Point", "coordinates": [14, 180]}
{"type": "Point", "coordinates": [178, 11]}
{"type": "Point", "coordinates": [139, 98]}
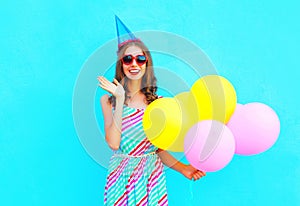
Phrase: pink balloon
{"type": "Point", "coordinates": [255, 127]}
{"type": "Point", "coordinates": [209, 145]}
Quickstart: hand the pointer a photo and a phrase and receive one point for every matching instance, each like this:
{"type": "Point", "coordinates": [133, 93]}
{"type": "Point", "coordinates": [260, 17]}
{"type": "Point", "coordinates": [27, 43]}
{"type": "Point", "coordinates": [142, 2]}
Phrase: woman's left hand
{"type": "Point", "coordinates": [192, 173]}
{"type": "Point", "coordinates": [115, 88]}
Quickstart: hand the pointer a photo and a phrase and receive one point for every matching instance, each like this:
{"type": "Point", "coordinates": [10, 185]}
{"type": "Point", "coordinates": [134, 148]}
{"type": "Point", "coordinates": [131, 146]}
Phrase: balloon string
{"type": "Point", "coordinates": [191, 192]}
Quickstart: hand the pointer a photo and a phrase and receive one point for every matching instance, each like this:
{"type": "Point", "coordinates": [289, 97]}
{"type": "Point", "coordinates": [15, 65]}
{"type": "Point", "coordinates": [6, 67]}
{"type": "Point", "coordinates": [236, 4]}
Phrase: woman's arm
{"type": "Point", "coordinates": [187, 170]}
{"type": "Point", "coordinates": [112, 120]}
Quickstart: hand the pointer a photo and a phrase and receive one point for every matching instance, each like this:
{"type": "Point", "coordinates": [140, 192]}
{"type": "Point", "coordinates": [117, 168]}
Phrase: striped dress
{"type": "Point", "coordinates": [135, 173]}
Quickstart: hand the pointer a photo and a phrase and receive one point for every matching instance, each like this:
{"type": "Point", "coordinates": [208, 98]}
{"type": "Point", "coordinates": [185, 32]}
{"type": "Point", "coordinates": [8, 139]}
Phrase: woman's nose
{"type": "Point", "coordinates": [134, 62]}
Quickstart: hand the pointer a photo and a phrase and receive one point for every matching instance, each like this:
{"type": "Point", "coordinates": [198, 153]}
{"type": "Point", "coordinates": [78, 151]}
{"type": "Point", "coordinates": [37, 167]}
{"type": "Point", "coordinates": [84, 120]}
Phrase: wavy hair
{"type": "Point", "coordinates": [148, 87]}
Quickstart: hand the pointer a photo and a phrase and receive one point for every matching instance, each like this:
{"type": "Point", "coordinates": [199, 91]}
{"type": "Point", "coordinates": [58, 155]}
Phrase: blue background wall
{"type": "Point", "coordinates": [43, 46]}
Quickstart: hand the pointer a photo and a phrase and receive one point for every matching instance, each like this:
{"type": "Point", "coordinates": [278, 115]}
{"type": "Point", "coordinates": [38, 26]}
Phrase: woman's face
{"type": "Point", "coordinates": [134, 69]}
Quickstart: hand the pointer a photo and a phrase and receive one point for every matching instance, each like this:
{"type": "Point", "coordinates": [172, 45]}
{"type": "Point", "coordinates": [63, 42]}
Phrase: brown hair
{"type": "Point", "coordinates": [148, 87]}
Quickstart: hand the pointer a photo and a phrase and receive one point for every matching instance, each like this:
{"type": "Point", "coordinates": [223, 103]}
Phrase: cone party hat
{"type": "Point", "coordinates": [124, 34]}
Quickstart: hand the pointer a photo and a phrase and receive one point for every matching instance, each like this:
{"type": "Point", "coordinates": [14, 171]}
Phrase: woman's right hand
{"type": "Point", "coordinates": [115, 88]}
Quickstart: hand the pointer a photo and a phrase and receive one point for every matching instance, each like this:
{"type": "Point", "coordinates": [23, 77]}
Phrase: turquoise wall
{"type": "Point", "coordinates": [44, 45]}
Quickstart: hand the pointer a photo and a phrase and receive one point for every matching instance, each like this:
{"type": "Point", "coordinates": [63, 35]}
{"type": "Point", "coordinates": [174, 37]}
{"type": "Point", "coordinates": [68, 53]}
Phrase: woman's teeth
{"type": "Point", "coordinates": [134, 71]}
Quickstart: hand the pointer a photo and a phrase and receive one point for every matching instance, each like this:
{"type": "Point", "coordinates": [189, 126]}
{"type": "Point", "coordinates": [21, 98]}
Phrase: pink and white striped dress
{"type": "Point", "coordinates": [135, 175]}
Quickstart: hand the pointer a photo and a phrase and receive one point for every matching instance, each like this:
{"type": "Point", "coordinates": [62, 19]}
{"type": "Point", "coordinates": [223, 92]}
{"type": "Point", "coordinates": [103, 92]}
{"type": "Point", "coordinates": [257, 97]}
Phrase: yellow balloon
{"type": "Point", "coordinates": [162, 122]}
{"type": "Point", "coordinates": [188, 108]}
{"type": "Point", "coordinates": [215, 97]}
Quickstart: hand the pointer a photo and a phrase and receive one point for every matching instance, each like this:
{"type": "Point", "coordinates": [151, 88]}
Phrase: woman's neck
{"type": "Point", "coordinates": [136, 99]}
{"type": "Point", "coordinates": [134, 86]}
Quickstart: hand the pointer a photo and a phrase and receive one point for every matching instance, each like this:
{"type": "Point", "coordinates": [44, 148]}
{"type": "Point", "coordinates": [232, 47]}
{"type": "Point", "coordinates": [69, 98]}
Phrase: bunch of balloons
{"type": "Point", "coordinates": [209, 126]}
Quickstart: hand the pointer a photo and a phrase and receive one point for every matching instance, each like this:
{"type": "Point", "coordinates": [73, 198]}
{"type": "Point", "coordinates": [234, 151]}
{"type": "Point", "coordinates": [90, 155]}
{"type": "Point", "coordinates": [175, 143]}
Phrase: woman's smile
{"type": "Point", "coordinates": [134, 71]}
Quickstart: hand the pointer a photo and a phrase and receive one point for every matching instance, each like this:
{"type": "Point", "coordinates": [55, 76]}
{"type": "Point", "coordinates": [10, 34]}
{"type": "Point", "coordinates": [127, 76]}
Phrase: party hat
{"type": "Point", "coordinates": [124, 34]}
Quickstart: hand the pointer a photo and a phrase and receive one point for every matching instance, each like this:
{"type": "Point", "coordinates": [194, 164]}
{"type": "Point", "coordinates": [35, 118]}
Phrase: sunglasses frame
{"type": "Point", "coordinates": [134, 58]}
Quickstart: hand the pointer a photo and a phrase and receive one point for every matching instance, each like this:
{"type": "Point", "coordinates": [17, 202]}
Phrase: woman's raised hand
{"type": "Point", "coordinates": [115, 88]}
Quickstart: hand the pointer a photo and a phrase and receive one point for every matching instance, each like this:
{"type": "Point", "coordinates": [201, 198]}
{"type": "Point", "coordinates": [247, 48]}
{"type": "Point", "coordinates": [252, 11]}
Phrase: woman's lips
{"type": "Point", "coordinates": [134, 71]}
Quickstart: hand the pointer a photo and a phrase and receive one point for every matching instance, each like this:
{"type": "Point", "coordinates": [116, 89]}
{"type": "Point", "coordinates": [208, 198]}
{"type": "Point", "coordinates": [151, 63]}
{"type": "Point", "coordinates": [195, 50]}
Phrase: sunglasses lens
{"type": "Point", "coordinates": [127, 59]}
{"type": "Point", "coordinates": [141, 59]}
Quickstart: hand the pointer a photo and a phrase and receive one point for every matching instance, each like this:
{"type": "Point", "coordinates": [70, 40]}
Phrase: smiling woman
{"type": "Point", "coordinates": [136, 174]}
{"type": "Point", "coordinates": [134, 62]}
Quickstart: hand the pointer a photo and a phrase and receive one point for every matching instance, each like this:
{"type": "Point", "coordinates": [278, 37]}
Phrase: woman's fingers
{"type": "Point", "coordinates": [115, 88]}
{"type": "Point", "coordinates": [202, 173]}
{"type": "Point", "coordinates": [105, 84]}
{"type": "Point", "coordinates": [198, 174]}
{"type": "Point", "coordinates": [105, 88]}
{"type": "Point", "coordinates": [104, 81]}
{"type": "Point", "coordinates": [116, 82]}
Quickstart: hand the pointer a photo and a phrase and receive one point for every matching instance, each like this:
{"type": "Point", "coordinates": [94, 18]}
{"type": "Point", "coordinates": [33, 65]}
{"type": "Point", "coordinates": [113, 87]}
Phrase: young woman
{"type": "Point", "coordinates": [136, 175]}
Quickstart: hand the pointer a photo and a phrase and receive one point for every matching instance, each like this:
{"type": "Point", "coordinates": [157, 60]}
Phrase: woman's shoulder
{"type": "Point", "coordinates": [105, 97]}
{"type": "Point", "coordinates": [104, 100]}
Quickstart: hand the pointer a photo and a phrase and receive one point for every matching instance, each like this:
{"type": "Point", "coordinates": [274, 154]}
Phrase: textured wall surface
{"type": "Point", "coordinates": [43, 45]}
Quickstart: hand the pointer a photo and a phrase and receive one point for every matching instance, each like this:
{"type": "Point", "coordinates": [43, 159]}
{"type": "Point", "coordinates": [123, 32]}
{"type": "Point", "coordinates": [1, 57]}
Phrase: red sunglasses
{"type": "Point", "coordinates": [139, 59]}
